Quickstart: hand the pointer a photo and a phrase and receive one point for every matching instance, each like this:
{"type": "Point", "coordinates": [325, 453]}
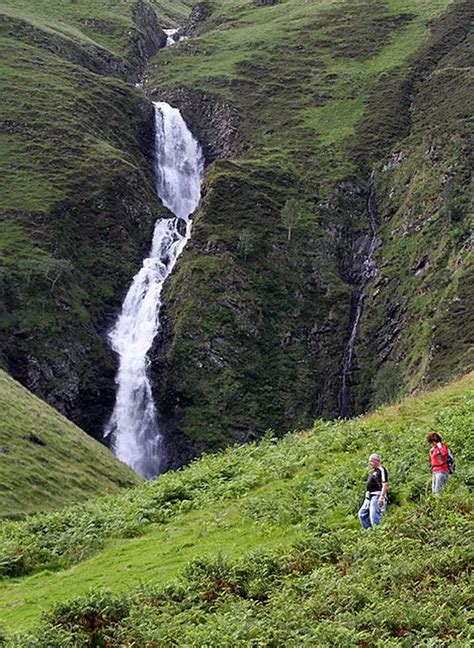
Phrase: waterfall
{"type": "Point", "coordinates": [172, 36]}
{"type": "Point", "coordinates": [367, 273]}
{"type": "Point", "coordinates": [179, 166]}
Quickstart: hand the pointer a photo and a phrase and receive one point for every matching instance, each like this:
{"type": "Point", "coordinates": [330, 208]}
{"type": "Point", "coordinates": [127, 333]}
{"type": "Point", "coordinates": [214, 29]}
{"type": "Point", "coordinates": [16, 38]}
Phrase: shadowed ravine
{"type": "Point", "coordinates": [367, 273]}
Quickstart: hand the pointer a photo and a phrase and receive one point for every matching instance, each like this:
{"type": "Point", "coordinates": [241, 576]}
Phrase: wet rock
{"type": "Point", "coordinates": [214, 121]}
{"type": "Point", "coordinates": [181, 226]}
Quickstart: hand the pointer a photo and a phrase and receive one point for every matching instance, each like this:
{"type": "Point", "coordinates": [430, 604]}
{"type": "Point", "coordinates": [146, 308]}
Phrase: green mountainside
{"type": "Point", "coordinates": [78, 198]}
{"type": "Point", "coordinates": [317, 97]}
{"type": "Point", "coordinates": [359, 110]}
{"type": "Point", "coordinates": [259, 545]}
{"type": "Point", "coordinates": [46, 462]}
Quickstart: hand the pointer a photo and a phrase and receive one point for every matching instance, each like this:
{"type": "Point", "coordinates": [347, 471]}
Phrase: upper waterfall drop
{"type": "Point", "coordinates": [179, 167]}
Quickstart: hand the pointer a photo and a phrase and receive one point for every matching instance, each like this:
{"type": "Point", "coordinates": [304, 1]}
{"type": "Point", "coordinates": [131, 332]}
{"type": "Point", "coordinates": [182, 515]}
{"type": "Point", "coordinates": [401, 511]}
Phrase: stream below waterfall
{"type": "Point", "coordinates": [179, 166]}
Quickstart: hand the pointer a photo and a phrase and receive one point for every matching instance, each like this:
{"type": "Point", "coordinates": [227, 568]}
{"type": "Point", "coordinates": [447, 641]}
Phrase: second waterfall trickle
{"type": "Point", "coordinates": [179, 166]}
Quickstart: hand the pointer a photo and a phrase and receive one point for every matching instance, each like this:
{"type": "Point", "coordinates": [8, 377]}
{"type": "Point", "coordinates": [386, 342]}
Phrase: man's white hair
{"type": "Point", "coordinates": [375, 456]}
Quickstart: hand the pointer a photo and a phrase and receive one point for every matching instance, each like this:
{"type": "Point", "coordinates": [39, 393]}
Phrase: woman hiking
{"type": "Point", "coordinates": [439, 462]}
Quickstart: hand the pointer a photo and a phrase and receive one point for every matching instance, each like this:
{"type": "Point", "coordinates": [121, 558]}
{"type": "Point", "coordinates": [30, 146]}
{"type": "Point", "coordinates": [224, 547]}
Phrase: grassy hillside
{"type": "Point", "coordinates": [106, 24]}
{"type": "Point", "coordinates": [260, 545]}
{"type": "Point", "coordinates": [323, 94]}
{"type": "Point", "coordinates": [46, 462]}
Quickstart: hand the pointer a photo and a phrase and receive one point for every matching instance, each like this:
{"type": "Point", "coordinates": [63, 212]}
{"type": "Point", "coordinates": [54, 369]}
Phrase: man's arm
{"type": "Point", "coordinates": [383, 493]}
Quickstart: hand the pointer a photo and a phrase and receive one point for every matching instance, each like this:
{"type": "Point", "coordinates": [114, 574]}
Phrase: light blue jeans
{"type": "Point", "coordinates": [370, 513]}
{"type": "Point", "coordinates": [438, 481]}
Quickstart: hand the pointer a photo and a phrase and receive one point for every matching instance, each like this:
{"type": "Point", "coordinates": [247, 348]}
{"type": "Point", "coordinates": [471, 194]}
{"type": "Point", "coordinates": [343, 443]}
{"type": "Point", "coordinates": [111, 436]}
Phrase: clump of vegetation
{"type": "Point", "coordinates": [246, 243]}
{"type": "Point", "coordinates": [346, 589]}
{"type": "Point", "coordinates": [291, 214]}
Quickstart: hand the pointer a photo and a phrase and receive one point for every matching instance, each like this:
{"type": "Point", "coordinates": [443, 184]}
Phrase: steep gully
{"type": "Point", "coordinates": [367, 272]}
{"type": "Point", "coordinates": [133, 426]}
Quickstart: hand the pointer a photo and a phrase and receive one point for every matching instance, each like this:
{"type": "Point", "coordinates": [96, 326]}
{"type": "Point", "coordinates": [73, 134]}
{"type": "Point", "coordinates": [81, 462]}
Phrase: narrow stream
{"type": "Point", "coordinates": [368, 272]}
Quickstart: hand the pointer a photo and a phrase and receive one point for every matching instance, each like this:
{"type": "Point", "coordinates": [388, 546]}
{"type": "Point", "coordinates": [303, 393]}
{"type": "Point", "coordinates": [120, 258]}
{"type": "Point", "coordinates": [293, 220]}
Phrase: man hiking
{"type": "Point", "coordinates": [375, 502]}
{"type": "Point", "coordinates": [439, 454]}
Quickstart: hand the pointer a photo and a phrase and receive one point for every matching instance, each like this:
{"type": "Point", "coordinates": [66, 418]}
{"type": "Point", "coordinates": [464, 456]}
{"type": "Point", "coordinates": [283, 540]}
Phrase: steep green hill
{"type": "Point", "coordinates": [305, 100]}
{"type": "Point", "coordinates": [260, 546]}
{"type": "Point", "coordinates": [78, 200]}
{"type": "Point", "coordinates": [46, 462]}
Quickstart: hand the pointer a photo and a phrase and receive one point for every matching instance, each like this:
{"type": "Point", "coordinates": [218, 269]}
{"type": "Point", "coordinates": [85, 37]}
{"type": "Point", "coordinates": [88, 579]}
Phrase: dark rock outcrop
{"type": "Point", "coordinates": [149, 36]}
{"type": "Point", "coordinates": [199, 14]}
{"type": "Point", "coordinates": [214, 121]}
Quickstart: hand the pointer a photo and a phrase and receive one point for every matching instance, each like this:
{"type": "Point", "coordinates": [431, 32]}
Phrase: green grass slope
{"type": "Point", "coordinates": [324, 93]}
{"type": "Point", "coordinates": [46, 462]}
{"type": "Point", "coordinates": [259, 545]}
{"type": "Point", "coordinates": [106, 24]}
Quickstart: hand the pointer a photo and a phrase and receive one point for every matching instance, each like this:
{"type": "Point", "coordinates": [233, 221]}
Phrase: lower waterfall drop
{"type": "Point", "coordinates": [179, 167]}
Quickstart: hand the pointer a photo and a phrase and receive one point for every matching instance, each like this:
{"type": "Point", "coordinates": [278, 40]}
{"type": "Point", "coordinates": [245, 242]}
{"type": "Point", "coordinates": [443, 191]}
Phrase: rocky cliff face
{"type": "Point", "coordinates": [420, 298]}
{"type": "Point", "coordinates": [213, 120]}
{"type": "Point", "coordinates": [148, 36]}
{"type": "Point", "coordinates": [200, 12]}
{"type": "Point", "coordinates": [253, 339]}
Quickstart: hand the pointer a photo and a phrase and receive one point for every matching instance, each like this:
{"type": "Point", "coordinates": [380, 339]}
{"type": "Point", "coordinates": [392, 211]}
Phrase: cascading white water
{"type": "Point", "coordinates": [179, 166]}
{"type": "Point", "coordinates": [172, 36]}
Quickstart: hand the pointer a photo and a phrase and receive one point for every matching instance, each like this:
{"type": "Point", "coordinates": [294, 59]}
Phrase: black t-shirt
{"type": "Point", "coordinates": [376, 478]}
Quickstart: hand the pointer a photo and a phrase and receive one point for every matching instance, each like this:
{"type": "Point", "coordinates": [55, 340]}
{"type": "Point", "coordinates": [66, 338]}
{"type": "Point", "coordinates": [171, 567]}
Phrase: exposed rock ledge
{"type": "Point", "coordinates": [214, 121]}
{"type": "Point", "coordinates": [199, 14]}
{"type": "Point", "coordinates": [149, 36]}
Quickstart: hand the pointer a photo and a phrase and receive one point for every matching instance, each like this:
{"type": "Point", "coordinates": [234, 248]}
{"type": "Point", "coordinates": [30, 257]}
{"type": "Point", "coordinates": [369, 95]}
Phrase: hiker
{"type": "Point", "coordinates": [375, 502]}
{"type": "Point", "coordinates": [439, 462]}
